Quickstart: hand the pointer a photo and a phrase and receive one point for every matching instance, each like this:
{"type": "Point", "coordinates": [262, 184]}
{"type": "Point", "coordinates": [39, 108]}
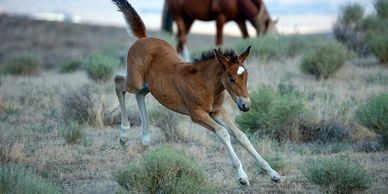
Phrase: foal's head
{"type": "Point", "coordinates": [235, 76]}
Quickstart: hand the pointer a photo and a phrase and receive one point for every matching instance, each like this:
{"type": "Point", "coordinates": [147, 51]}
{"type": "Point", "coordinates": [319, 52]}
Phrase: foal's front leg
{"type": "Point", "coordinates": [203, 118]}
{"type": "Point", "coordinates": [223, 119]}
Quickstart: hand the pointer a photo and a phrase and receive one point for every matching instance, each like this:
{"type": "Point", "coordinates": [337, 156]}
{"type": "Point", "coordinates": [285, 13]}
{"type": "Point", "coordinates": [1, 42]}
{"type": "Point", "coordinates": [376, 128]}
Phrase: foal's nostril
{"type": "Point", "coordinates": [245, 107]}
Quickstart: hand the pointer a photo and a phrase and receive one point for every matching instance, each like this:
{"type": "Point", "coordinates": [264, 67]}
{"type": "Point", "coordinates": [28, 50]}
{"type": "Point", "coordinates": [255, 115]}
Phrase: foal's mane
{"type": "Point", "coordinates": [209, 54]}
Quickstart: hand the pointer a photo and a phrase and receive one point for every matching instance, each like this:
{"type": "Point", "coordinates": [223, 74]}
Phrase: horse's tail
{"type": "Point", "coordinates": [135, 24]}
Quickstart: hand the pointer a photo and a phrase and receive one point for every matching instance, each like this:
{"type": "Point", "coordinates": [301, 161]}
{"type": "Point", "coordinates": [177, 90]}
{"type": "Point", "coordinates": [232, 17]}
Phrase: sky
{"type": "Point", "coordinates": [295, 16]}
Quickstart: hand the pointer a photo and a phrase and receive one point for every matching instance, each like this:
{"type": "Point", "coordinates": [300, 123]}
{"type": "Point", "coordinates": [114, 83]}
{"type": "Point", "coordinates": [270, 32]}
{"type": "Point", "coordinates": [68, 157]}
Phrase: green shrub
{"type": "Point", "coordinates": [164, 170]}
{"type": "Point", "coordinates": [351, 13]}
{"type": "Point", "coordinates": [23, 64]}
{"type": "Point", "coordinates": [325, 58]}
{"type": "Point", "coordinates": [16, 179]}
{"type": "Point", "coordinates": [347, 28]}
{"type": "Point", "coordinates": [70, 66]}
{"type": "Point", "coordinates": [101, 67]}
{"type": "Point", "coordinates": [381, 7]}
{"type": "Point", "coordinates": [338, 175]}
{"type": "Point", "coordinates": [72, 132]}
{"type": "Point", "coordinates": [378, 44]}
{"type": "Point", "coordinates": [373, 114]}
{"type": "Point", "coordinates": [272, 113]}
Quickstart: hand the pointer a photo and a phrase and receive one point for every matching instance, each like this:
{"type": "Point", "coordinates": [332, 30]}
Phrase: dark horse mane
{"type": "Point", "coordinates": [209, 54]}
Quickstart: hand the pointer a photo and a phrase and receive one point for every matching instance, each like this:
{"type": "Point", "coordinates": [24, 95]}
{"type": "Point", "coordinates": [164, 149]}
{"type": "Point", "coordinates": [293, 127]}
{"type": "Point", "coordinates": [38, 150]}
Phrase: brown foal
{"type": "Point", "coordinates": [196, 89]}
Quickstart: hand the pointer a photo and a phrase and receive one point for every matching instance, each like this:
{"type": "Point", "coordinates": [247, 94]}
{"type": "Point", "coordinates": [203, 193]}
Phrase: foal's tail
{"type": "Point", "coordinates": [135, 24]}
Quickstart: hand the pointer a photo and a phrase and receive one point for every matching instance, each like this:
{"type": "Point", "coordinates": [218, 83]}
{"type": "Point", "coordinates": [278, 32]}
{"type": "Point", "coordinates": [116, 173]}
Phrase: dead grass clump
{"type": "Point", "coordinates": [270, 151]}
{"type": "Point", "coordinates": [169, 122]}
{"type": "Point", "coordinates": [7, 142]}
{"type": "Point", "coordinates": [83, 105]}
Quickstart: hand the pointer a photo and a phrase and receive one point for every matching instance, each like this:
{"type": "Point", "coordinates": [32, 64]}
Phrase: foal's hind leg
{"type": "Point", "coordinates": [120, 91]}
{"type": "Point", "coordinates": [145, 123]}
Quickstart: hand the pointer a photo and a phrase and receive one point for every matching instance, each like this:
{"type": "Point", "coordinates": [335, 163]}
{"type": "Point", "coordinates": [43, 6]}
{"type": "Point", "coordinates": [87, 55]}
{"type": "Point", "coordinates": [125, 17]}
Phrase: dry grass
{"type": "Point", "coordinates": [30, 123]}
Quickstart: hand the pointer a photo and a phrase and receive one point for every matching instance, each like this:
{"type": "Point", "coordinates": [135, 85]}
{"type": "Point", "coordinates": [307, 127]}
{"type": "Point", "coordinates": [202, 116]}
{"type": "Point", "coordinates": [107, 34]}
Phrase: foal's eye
{"type": "Point", "coordinates": [232, 80]}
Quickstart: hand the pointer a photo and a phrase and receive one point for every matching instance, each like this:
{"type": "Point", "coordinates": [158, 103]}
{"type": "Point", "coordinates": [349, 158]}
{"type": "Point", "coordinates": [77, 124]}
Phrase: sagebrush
{"type": "Point", "coordinates": [336, 175]}
{"type": "Point", "coordinates": [373, 114]}
{"type": "Point", "coordinates": [100, 67]}
{"type": "Point", "coordinates": [164, 170]}
{"type": "Point", "coordinates": [324, 59]}
{"type": "Point", "coordinates": [15, 179]}
{"type": "Point", "coordinates": [272, 113]}
{"type": "Point", "coordinates": [25, 63]}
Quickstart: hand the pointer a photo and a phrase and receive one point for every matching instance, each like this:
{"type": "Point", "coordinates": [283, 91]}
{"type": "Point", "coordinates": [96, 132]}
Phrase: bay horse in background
{"type": "Point", "coordinates": [184, 12]}
{"type": "Point", "coordinates": [195, 89]}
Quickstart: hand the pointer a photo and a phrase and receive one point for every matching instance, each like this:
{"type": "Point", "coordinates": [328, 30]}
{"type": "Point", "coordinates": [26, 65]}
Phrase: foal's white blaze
{"type": "Point", "coordinates": [240, 70]}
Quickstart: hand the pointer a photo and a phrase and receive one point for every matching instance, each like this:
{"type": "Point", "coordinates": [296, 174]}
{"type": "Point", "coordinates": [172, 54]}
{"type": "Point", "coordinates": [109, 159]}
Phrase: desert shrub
{"type": "Point", "coordinates": [381, 7]}
{"type": "Point", "coordinates": [17, 179]}
{"type": "Point", "coordinates": [338, 175]}
{"type": "Point", "coordinates": [272, 113]}
{"type": "Point", "coordinates": [7, 141]}
{"type": "Point", "coordinates": [23, 64]}
{"type": "Point", "coordinates": [324, 59]}
{"type": "Point", "coordinates": [83, 105]}
{"type": "Point", "coordinates": [70, 66]}
{"type": "Point", "coordinates": [72, 132]}
{"type": "Point", "coordinates": [373, 114]}
{"type": "Point", "coordinates": [100, 67]}
{"type": "Point", "coordinates": [164, 170]}
{"type": "Point", "coordinates": [168, 121]}
{"type": "Point", "coordinates": [351, 13]}
{"type": "Point", "coordinates": [378, 44]}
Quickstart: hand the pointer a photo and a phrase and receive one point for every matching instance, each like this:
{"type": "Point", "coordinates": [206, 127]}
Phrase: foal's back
{"type": "Point", "coordinates": [154, 65]}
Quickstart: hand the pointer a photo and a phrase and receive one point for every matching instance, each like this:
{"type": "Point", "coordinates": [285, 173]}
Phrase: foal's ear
{"type": "Point", "coordinates": [245, 54]}
{"type": "Point", "coordinates": [221, 59]}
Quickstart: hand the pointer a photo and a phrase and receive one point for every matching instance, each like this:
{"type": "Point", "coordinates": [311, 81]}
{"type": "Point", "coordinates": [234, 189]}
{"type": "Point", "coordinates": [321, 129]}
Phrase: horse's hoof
{"type": "Point", "coordinates": [244, 182]}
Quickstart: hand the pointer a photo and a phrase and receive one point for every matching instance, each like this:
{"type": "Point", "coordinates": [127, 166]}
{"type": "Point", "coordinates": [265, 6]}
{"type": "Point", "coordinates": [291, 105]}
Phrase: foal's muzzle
{"type": "Point", "coordinates": [243, 103]}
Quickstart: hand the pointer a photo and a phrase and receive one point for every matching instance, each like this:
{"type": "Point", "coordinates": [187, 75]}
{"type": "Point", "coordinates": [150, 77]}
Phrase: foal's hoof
{"type": "Point", "coordinates": [243, 181]}
{"type": "Point", "coordinates": [124, 140]}
{"type": "Point", "coordinates": [275, 177]}
{"type": "Point", "coordinates": [145, 140]}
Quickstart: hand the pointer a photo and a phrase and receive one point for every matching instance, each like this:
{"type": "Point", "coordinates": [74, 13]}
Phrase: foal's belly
{"type": "Point", "coordinates": [167, 96]}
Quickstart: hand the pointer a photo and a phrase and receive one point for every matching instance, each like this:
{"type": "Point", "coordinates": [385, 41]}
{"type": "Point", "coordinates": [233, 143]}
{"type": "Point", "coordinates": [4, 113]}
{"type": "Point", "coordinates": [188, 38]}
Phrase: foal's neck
{"type": "Point", "coordinates": [211, 73]}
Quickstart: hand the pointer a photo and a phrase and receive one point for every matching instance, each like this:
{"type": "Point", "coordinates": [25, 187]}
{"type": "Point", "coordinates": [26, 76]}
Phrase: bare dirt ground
{"type": "Point", "coordinates": [30, 116]}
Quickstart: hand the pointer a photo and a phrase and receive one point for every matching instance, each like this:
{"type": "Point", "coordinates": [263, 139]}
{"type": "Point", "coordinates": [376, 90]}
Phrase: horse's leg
{"type": "Point", "coordinates": [223, 119]}
{"type": "Point", "coordinates": [188, 23]}
{"type": "Point", "coordinates": [243, 28]}
{"type": "Point", "coordinates": [145, 123]}
{"type": "Point", "coordinates": [205, 120]}
{"type": "Point", "coordinates": [181, 33]}
{"type": "Point", "coordinates": [220, 24]}
{"type": "Point", "coordinates": [120, 91]}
